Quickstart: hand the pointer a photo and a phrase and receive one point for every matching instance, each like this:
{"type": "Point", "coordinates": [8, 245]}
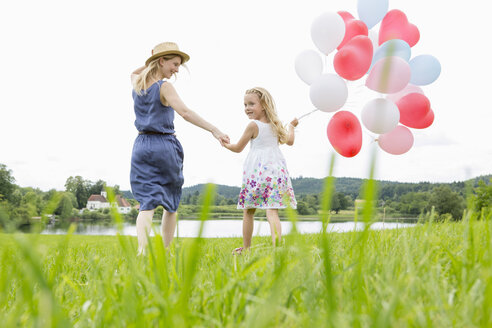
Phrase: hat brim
{"type": "Point", "coordinates": [183, 56]}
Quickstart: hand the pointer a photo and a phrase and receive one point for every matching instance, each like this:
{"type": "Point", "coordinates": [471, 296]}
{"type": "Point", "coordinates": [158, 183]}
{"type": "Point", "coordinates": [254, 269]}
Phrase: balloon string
{"type": "Point", "coordinates": [307, 114]}
{"type": "Point", "coordinates": [373, 138]}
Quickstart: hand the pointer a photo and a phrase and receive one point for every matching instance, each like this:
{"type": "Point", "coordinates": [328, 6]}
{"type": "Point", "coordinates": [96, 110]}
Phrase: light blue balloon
{"type": "Point", "coordinates": [425, 69]}
{"type": "Point", "coordinates": [372, 12]}
{"type": "Point", "coordinates": [393, 47]}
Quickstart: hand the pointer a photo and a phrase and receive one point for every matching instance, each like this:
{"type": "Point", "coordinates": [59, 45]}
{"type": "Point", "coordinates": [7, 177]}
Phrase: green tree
{"type": "Point", "coordinates": [21, 215]}
{"type": "Point", "coordinates": [7, 186]}
{"type": "Point", "coordinates": [80, 188]}
{"type": "Point", "coordinates": [335, 203]}
{"type": "Point", "coordinates": [64, 209]}
{"type": "Point", "coordinates": [340, 202]}
{"type": "Point", "coordinates": [447, 201]}
{"type": "Point", "coordinates": [185, 199]}
{"type": "Point", "coordinates": [220, 200]}
{"type": "Point", "coordinates": [312, 202]}
{"type": "Point", "coordinates": [302, 208]}
{"type": "Point", "coordinates": [47, 196]}
{"type": "Point", "coordinates": [4, 218]}
{"type": "Point", "coordinates": [306, 204]}
{"type": "Point", "coordinates": [96, 188]}
{"type": "Point", "coordinates": [344, 200]}
{"type": "Point", "coordinates": [195, 198]}
{"type": "Point", "coordinates": [35, 200]}
{"type": "Point", "coordinates": [482, 197]}
{"type": "Point", "coordinates": [15, 197]}
{"type": "Point", "coordinates": [116, 190]}
{"type": "Point", "coordinates": [132, 216]}
{"type": "Point", "coordinates": [414, 203]}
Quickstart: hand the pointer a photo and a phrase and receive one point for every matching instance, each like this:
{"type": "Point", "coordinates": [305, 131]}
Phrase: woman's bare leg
{"type": "Point", "coordinates": [275, 226]}
{"type": "Point", "coordinates": [248, 224]}
{"type": "Point", "coordinates": [144, 224]}
{"type": "Point", "coordinates": [168, 226]}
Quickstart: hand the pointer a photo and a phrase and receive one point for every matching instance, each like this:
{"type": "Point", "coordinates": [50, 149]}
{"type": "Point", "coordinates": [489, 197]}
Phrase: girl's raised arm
{"type": "Point", "coordinates": [250, 132]}
{"type": "Point", "coordinates": [291, 134]}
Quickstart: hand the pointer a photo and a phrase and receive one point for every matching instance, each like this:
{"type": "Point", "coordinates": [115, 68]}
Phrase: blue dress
{"type": "Point", "coordinates": [156, 174]}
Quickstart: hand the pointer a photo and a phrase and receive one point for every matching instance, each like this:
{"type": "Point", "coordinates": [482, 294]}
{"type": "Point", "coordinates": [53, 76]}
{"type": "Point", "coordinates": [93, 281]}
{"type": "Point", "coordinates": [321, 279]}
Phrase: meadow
{"type": "Point", "coordinates": [434, 274]}
{"type": "Point", "coordinates": [430, 275]}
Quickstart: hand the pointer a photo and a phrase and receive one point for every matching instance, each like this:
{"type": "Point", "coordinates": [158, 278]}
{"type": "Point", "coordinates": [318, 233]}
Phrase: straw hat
{"type": "Point", "coordinates": [167, 48]}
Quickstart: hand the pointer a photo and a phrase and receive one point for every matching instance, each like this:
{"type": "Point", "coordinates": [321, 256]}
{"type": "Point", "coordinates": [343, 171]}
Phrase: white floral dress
{"type": "Point", "coordinates": [266, 182]}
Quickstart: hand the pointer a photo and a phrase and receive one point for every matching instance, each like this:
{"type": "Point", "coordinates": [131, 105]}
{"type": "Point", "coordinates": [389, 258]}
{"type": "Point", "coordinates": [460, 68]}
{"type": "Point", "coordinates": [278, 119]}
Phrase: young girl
{"type": "Point", "coordinates": [266, 182]}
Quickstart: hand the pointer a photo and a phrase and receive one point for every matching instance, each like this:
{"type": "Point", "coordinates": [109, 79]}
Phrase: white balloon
{"type": "Point", "coordinates": [380, 115]}
{"type": "Point", "coordinates": [328, 92]}
{"type": "Point", "coordinates": [308, 65]}
{"type": "Point", "coordinates": [328, 31]}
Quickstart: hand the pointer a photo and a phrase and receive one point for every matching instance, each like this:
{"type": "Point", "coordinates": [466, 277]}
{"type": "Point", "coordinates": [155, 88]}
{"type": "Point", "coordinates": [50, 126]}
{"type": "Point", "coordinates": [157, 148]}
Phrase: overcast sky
{"type": "Point", "coordinates": [66, 106]}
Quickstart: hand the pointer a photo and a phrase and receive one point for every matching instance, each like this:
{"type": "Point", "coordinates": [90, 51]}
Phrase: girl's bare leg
{"type": "Point", "coordinates": [144, 224]}
{"type": "Point", "coordinates": [248, 223]}
{"type": "Point", "coordinates": [275, 226]}
{"type": "Point", "coordinates": [168, 226]}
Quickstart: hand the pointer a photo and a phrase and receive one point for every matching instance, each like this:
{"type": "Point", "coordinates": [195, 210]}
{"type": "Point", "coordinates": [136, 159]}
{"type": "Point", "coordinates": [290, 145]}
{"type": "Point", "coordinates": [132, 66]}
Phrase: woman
{"type": "Point", "coordinates": [156, 174]}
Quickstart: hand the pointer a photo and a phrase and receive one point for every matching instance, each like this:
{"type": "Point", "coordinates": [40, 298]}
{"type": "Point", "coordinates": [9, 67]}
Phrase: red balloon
{"type": "Point", "coordinates": [345, 133]}
{"type": "Point", "coordinates": [413, 109]}
{"type": "Point", "coordinates": [426, 121]}
{"type": "Point", "coordinates": [395, 25]}
{"type": "Point", "coordinates": [354, 60]}
{"type": "Point", "coordinates": [353, 27]}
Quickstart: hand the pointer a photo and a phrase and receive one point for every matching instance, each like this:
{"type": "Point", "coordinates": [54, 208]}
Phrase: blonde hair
{"type": "Point", "coordinates": [266, 101]}
{"type": "Point", "coordinates": [140, 83]}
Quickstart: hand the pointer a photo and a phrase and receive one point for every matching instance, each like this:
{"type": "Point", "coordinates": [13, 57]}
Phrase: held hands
{"type": "Point", "coordinates": [223, 138]}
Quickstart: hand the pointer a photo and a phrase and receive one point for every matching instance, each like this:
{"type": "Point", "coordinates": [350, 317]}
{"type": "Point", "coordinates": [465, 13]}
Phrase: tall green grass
{"type": "Point", "coordinates": [430, 275]}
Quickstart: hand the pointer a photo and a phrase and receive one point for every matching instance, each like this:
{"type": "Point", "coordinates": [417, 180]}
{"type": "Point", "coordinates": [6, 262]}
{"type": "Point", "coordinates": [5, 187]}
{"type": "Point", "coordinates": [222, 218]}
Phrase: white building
{"type": "Point", "coordinates": [96, 202]}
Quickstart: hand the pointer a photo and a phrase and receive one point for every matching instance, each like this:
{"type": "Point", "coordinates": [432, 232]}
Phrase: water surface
{"type": "Point", "coordinates": [225, 228]}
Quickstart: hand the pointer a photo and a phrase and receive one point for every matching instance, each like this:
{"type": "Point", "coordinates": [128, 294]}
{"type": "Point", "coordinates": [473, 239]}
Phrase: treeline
{"type": "Point", "coordinates": [21, 206]}
{"type": "Point", "coordinates": [393, 198]}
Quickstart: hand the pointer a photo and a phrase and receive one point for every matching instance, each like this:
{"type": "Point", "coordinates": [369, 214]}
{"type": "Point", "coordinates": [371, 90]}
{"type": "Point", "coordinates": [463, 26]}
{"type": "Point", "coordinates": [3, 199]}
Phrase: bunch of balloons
{"type": "Point", "coordinates": [384, 60]}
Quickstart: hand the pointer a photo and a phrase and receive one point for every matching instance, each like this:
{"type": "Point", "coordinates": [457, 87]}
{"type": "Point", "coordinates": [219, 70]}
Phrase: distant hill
{"type": "Point", "coordinates": [127, 194]}
{"type": "Point", "coordinates": [348, 186]}
{"type": "Point", "coordinates": [486, 178]}
{"type": "Point", "coordinates": [226, 191]}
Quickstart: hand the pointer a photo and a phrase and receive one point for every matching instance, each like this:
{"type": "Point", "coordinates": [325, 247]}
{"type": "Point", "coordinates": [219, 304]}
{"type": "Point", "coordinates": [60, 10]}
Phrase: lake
{"type": "Point", "coordinates": [226, 228]}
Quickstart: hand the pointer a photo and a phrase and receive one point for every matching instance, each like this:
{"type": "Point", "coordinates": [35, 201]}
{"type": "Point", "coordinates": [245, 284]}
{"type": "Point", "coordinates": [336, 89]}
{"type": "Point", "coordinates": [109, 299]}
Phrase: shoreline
{"type": "Point", "coordinates": [306, 218]}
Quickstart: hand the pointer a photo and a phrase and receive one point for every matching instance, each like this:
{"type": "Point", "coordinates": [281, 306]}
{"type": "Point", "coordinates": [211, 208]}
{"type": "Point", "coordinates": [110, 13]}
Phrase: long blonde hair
{"type": "Point", "coordinates": [266, 101]}
{"type": "Point", "coordinates": [140, 83]}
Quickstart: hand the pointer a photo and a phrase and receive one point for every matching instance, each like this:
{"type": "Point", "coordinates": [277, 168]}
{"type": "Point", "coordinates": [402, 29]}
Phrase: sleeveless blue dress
{"type": "Point", "coordinates": [156, 174]}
